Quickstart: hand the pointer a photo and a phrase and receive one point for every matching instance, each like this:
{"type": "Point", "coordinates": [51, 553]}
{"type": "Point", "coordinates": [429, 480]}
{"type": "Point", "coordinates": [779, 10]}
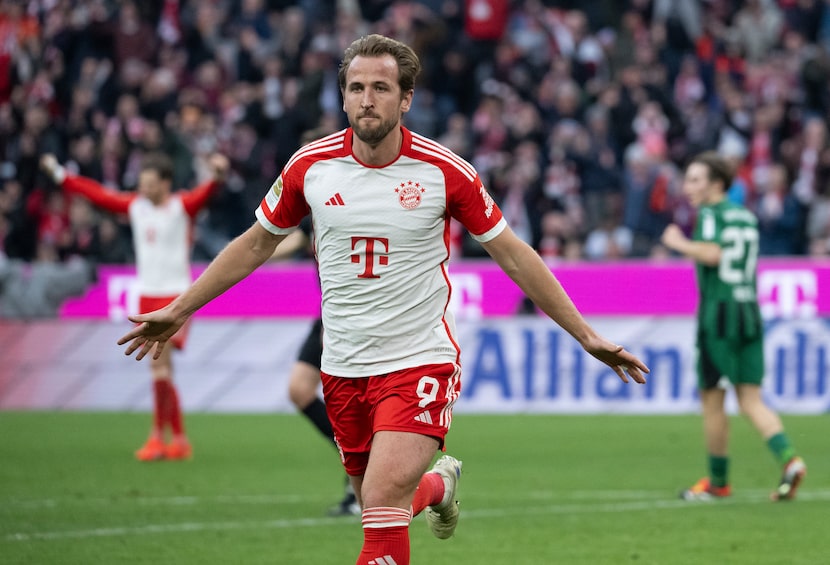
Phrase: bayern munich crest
{"type": "Point", "coordinates": [409, 194]}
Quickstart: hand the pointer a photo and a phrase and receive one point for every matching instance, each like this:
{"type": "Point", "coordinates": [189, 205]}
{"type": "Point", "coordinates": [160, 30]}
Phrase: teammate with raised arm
{"type": "Point", "coordinates": [161, 222]}
{"type": "Point", "coordinates": [381, 199]}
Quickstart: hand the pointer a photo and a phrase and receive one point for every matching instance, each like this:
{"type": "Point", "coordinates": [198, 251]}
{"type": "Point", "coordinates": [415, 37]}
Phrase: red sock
{"type": "Point", "coordinates": [159, 407]}
{"type": "Point", "coordinates": [430, 491]}
{"type": "Point", "coordinates": [385, 537]}
{"type": "Point", "coordinates": [174, 410]}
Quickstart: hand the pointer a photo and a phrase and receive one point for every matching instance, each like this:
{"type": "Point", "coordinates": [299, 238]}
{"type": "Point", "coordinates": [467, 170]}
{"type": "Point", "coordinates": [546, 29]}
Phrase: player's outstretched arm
{"type": "Point", "coordinates": [526, 268]}
{"type": "Point", "coordinates": [705, 252]}
{"type": "Point", "coordinates": [154, 329]}
{"type": "Point", "coordinates": [234, 263]}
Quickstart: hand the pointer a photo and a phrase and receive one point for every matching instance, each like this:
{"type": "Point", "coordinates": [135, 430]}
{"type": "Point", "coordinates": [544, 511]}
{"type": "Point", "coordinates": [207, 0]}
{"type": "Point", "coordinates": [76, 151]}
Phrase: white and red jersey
{"type": "Point", "coordinates": [162, 235]}
{"type": "Point", "coordinates": [382, 239]}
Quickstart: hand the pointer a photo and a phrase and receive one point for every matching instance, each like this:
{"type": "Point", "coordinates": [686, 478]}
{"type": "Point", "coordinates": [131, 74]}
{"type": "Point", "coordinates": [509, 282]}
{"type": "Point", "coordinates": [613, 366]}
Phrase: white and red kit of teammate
{"type": "Point", "coordinates": [162, 236]}
{"type": "Point", "coordinates": [382, 238]}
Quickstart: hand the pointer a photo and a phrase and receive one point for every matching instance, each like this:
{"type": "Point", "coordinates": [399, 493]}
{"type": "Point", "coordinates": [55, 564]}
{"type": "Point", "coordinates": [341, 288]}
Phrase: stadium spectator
{"type": "Point", "coordinates": [114, 249]}
{"type": "Point", "coordinates": [389, 396]}
{"type": "Point", "coordinates": [18, 232]}
{"type": "Point", "coordinates": [807, 155]}
{"type": "Point", "coordinates": [676, 27]}
{"type": "Point", "coordinates": [818, 223]}
{"type": "Point", "coordinates": [639, 216]}
{"type": "Point", "coordinates": [126, 32]}
{"type": "Point", "coordinates": [594, 155]}
{"type": "Point", "coordinates": [161, 223]}
{"type": "Point", "coordinates": [730, 330]}
{"type": "Point", "coordinates": [204, 67]}
{"type": "Point", "coordinates": [37, 289]}
{"type": "Point", "coordinates": [610, 240]}
{"type": "Point", "coordinates": [20, 45]}
{"type": "Point", "coordinates": [781, 219]}
{"type": "Point", "coordinates": [757, 28]}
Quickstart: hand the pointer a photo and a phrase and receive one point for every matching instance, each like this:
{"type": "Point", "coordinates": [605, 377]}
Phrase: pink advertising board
{"type": "Point", "coordinates": [786, 288]}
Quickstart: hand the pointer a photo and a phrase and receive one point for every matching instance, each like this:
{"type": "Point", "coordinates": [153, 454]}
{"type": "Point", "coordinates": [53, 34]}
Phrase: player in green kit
{"type": "Point", "coordinates": [730, 339]}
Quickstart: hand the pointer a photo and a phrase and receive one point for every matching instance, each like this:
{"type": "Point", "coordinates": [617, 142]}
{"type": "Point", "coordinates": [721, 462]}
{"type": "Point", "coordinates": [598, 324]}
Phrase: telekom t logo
{"type": "Point", "coordinates": [788, 294]}
{"type": "Point", "coordinates": [122, 296]}
{"type": "Point", "coordinates": [370, 251]}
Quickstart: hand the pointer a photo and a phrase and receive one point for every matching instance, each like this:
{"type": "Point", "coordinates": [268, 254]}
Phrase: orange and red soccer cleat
{"type": "Point", "coordinates": [703, 490]}
{"type": "Point", "coordinates": [178, 449]}
{"type": "Point", "coordinates": [152, 450]}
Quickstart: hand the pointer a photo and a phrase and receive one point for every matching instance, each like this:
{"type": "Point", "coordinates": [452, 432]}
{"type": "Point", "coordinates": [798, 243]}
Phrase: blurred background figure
{"type": "Point", "coordinates": [37, 289]}
{"type": "Point", "coordinates": [161, 222]}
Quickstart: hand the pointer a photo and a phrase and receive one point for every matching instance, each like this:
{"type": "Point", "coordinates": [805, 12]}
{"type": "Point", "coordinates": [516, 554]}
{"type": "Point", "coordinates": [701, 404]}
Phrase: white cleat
{"type": "Point", "coordinates": [794, 472]}
{"type": "Point", "coordinates": [443, 517]}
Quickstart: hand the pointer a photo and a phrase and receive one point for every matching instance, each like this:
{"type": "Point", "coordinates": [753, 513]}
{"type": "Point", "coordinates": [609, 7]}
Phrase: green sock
{"type": "Point", "coordinates": [781, 447]}
{"type": "Point", "coordinates": [718, 470]}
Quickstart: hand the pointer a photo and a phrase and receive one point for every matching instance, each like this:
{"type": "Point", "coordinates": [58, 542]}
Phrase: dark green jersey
{"type": "Point", "coordinates": [728, 301]}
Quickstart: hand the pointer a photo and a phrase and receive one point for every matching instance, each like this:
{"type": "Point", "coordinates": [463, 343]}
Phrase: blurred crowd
{"type": "Point", "coordinates": [579, 115]}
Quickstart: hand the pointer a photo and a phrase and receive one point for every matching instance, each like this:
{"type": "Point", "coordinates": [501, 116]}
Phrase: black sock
{"type": "Point", "coordinates": [316, 412]}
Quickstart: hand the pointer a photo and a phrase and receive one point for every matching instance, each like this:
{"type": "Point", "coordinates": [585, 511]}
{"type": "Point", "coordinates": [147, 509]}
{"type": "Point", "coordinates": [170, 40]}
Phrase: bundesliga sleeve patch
{"type": "Point", "coordinates": [274, 193]}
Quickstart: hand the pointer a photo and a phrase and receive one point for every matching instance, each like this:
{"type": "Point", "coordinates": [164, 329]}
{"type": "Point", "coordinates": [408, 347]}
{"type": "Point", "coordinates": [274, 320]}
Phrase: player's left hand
{"type": "Point", "coordinates": [219, 165]}
{"type": "Point", "coordinates": [623, 362]}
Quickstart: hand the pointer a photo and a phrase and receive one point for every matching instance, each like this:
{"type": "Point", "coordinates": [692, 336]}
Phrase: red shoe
{"type": "Point", "coordinates": [703, 490]}
{"type": "Point", "coordinates": [794, 472]}
{"type": "Point", "coordinates": [152, 450]}
{"type": "Point", "coordinates": [178, 449]}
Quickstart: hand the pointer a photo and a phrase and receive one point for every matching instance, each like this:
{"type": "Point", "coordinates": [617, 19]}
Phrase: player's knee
{"type": "Point", "coordinates": [387, 493]}
{"type": "Point", "coordinates": [300, 393]}
{"type": "Point", "coordinates": [161, 374]}
{"type": "Point", "coordinates": [749, 399]}
{"type": "Point", "coordinates": [161, 370]}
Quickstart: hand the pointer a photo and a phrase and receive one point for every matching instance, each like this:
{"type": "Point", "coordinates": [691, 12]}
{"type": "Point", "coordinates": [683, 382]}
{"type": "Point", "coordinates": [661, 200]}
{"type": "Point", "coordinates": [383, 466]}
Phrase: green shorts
{"type": "Point", "coordinates": [740, 361]}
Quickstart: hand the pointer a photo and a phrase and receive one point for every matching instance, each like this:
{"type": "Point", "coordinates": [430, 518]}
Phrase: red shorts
{"type": "Point", "coordinates": [417, 400]}
{"type": "Point", "coordinates": [149, 303]}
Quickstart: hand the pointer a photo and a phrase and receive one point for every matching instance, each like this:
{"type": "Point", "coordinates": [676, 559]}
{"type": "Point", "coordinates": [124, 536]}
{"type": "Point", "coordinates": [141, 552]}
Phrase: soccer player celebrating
{"type": "Point", "coordinates": [730, 332]}
{"type": "Point", "coordinates": [161, 222]}
{"type": "Point", "coordinates": [381, 199]}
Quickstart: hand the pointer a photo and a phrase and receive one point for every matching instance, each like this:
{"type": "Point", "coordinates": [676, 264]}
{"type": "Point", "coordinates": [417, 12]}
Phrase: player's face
{"type": "Point", "coordinates": [152, 186]}
{"type": "Point", "coordinates": [372, 98]}
{"type": "Point", "coordinates": [696, 184]}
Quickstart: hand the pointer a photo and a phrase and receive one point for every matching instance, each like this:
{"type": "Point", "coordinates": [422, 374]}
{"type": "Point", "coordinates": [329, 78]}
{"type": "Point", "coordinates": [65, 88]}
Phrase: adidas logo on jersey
{"type": "Point", "coordinates": [385, 560]}
{"type": "Point", "coordinates": [336, 200]}
{"type": "Point", "coordinates": [424, 417]}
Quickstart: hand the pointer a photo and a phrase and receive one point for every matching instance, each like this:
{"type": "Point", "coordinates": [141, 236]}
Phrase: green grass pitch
{"type": "Point", "coordinates": [536, 489]}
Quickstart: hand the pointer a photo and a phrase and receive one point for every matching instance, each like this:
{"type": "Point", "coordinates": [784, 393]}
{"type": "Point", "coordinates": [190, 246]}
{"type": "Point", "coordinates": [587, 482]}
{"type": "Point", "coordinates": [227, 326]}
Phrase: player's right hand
{"type": "Point", "coordinates": [49, 165]}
